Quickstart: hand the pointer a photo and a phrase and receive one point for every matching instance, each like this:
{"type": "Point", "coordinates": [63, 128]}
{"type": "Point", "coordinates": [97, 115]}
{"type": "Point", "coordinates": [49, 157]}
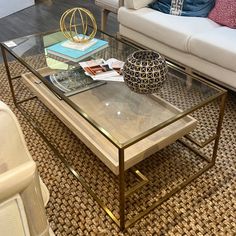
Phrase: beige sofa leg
{"type": "Point", "coordinates": [104, 19]}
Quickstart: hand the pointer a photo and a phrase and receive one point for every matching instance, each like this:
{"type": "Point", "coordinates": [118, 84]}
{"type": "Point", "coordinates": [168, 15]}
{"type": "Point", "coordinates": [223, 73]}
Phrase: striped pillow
{"type": "Point", "coordinates": [199, 8]}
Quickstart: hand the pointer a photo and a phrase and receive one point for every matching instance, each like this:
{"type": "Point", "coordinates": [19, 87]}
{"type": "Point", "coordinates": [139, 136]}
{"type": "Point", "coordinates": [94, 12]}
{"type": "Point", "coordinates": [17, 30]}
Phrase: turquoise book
{"type": "Point", "coordinates": [74, 54]}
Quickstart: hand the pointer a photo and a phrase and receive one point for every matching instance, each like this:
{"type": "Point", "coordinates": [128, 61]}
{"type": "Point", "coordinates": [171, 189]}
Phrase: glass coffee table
{"type": "Point", "coordinates": [121, 127]}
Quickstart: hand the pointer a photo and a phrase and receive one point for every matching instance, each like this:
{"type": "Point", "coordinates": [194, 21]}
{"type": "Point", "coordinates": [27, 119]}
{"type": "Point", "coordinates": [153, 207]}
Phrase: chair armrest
{"type": "Point", "coordinates": [136, 4]}
{"type": "Point", "coordinates": [16, 180]}
{"type": "Point", "coordinates": [13, 149]}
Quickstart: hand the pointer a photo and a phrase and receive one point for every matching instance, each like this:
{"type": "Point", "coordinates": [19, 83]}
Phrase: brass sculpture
{"type": "Point", "coordinates": [78, 32]}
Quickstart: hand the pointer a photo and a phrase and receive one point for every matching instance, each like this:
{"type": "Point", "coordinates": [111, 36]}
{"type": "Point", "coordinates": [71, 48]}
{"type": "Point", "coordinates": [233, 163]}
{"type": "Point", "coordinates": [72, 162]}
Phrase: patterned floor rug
{"type": "Point", "coordinates": [205, 207]}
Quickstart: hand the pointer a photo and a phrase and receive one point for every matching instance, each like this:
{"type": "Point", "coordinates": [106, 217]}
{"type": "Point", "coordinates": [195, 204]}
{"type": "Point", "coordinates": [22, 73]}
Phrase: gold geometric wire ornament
{"type": "Point", "coordinates": [73, 31]}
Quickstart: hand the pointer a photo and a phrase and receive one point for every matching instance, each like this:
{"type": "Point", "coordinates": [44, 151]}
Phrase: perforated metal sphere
{"type": "Point", "coordinates": [145, 71]}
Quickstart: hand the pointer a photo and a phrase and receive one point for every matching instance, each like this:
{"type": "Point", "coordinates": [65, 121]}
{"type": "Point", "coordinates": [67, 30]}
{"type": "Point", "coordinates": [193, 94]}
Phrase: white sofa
{"type": "Point", "coordinates": [194, 42]}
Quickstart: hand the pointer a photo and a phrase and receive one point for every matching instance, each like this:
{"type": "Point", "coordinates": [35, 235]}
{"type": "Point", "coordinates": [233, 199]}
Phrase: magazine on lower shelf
{"type": "Point", "coordinates": [73, 81]}
{"type": "Point", "coordinates": [99, 69]}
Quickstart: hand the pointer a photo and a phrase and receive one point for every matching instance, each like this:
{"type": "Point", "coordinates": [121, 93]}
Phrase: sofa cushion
{"type": "Point", "coordinates": [184, 7]}
{"type": "Point", "coordinates": [164, 27]}
{"type": "Point", "coordinates": [216, 46]}
{"type": "Point", "coordinates": [224, 13]}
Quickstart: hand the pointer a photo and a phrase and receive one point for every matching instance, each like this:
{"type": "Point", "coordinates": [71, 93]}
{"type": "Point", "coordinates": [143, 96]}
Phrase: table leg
{"type": "Point", "coordinates": [219, 125]}
{"type": "Point", "coordinates": [104, 17]}
{"type": "Point", "coordinates": [122, 188]}
{"type": "Point", "coordinates": [8, 74]}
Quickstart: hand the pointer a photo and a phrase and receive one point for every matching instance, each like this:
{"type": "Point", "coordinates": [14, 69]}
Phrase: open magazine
{"type": "Point", "coordinates": [99, 69]}
{"type": "Point", "coordinates": [73, 81]}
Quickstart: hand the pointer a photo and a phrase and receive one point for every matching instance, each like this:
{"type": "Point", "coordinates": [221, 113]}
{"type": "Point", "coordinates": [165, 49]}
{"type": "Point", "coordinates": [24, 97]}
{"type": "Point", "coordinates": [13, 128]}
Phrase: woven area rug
{"type": "Point", "coordinates": [205, 207]}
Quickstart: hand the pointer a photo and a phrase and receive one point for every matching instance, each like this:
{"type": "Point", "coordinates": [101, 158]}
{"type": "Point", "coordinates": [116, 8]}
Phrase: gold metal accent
{"type": "Point", "coordinates": [168, 195]}
{"type": "Point", "coordinates": [195, 150]}
{"type": "Point", "coordinates": [72, 31]}
{"type": "Point", "coordinates": [138, 185]}
{"type": "Point", "coordinates": [198, 143]}
{"type": "Point", "coordinates": [219, 125]}
{"type": "Point", "coordinates": [122, 187]}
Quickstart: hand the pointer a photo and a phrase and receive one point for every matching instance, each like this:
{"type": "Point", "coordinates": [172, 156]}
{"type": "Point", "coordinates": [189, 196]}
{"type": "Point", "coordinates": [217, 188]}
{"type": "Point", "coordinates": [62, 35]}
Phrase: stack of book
{"type": "Point", "coordinates": [76, 51]}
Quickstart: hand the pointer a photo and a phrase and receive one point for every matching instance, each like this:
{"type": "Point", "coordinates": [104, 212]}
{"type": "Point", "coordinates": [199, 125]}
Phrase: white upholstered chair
{"type": "Point", "coordinates": [108, 6]}
{"type": "Point", "coordinates": [22, 193]}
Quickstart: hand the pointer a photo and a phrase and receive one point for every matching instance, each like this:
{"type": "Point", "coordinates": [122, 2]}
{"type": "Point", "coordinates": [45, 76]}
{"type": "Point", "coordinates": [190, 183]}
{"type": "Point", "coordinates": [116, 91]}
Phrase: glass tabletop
{"type": "Point", "coordinates": [118, 113]}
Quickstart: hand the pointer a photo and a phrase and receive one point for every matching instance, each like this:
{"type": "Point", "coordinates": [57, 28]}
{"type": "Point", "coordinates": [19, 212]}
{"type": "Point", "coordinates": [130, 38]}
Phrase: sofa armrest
{"type": "Point", "coordinates": [136, 4]}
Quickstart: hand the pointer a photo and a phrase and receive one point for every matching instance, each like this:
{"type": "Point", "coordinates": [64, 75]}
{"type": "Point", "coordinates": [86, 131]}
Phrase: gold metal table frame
{"type": "Point", "coordinates": [123, 193]}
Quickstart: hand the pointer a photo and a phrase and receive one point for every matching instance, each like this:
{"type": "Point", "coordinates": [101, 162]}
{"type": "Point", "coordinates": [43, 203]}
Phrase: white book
{"type": "Point", "coordinates": [79, 46]}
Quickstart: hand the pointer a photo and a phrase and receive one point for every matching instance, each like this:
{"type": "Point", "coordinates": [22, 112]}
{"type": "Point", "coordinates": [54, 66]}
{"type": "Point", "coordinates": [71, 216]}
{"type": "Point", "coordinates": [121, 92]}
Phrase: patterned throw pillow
{"type": "Point", "coordinates": [224, 13]}
{"type": "Point", "coordinates": [199, 8]}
